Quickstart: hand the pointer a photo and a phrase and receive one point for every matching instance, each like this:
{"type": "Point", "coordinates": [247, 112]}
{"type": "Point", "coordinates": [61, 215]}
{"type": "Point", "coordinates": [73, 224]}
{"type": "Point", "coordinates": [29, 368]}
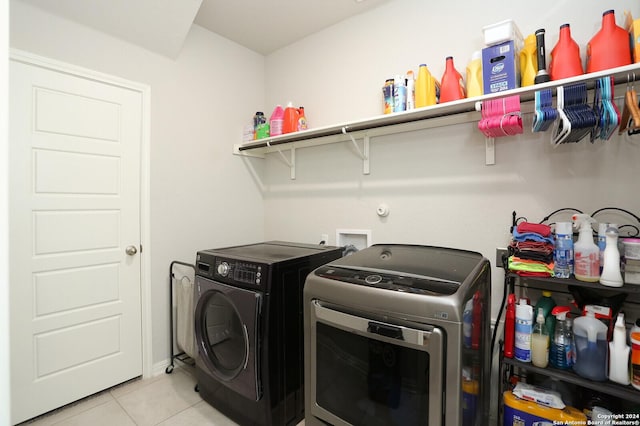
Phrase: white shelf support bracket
{"type": "Point", "coordinates": [363, 153]}
{"type": "Point", "coordinates": [490, 151]}
{"type": "Point", "coordinates": [291, 162]}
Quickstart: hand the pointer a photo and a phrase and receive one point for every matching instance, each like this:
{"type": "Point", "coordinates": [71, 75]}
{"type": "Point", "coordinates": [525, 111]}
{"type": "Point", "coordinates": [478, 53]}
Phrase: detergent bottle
{"type": "Point", "coordinates": [565, 56]}
{"type": "Point", "coordinates": [425, 88]}
{"type": "Point", "coordinates": [523, 328]}
{"type": "Point", "coordinates": [611, 275]}
{"type": "Point", "coordinates": [586, 260]}
{"type": "Point", "coordinates": [540, 342]}
{"type": "Point", "coordinates": [474, 85]}
{"type": "Point", "coordinates": [609, 48]}
{"type": "Point", "coordinates": [619, 353]}
{"type": "Point", "coordinates": [546, 303]}
{"type": "Point", "coordinates": [561, 351]}
{"type": "Point", "coordinates": [451, 85]}
{"type": "Point", "coordinates": [290, 120]}
{"type": "Point", "coordinates": [590, 335]}
{"type": "Point", "coordinates": [302, 119]}
{"type": "Point", "coordinates": [275, 121]}
{"type": "Point", "coordinates": [528, 61]}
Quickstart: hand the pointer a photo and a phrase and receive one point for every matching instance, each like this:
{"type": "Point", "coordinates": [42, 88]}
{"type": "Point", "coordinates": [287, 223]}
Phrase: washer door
{"type": "Point", "coordinates": [226, 328]}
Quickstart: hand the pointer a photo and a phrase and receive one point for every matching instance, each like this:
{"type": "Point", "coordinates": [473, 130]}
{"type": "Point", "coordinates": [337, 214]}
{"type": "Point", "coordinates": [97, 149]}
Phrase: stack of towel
{"type": "Point", "coordinates": [531, 250]}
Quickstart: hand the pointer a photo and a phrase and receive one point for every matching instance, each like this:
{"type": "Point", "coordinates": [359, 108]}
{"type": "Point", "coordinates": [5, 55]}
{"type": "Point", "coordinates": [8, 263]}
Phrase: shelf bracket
{"type": "Point", "coordinates": [362, 153]}
{"type": "Point", "coordinates": [291, 162]}
{"type": "Point", "coordinates": [490, 151]}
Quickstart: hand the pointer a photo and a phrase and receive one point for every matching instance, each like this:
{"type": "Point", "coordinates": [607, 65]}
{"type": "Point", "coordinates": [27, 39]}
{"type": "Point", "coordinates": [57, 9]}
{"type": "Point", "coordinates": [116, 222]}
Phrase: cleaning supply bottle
{"type": "Point", "coordinates": [399, 94]}
{"type": "Point", "coordinates": [302, 119]}
{"type": "Point", "coordinates": [528, 61]}
{"type": "Point", "coordinates": [540, 342]}
{"type": "Point", "coordinates": [611, 275]}
{"type": "Point", "coordinates": [546, 303]}
{"type": "Point", "coordinates": [523, 328]}
{"type": "Point", "coordinates": [509, 325]}
{"type": "Point", "coordinates": [586, 256]}
{"type": "Point", "coordinates": [474, 75]}
{"type": "Point", "coordinates": [561, 351]}
{"type": "Point", "coordinates": [563, 251]}
{"type": "Point", "coordinates": [619, 353]}
{"type": "Point", "coordinates": [565, 56]}
{"type": "Point", "coordinates": [290, 120]}
{"type": "Point", "coordinates": [609, 47]}
{"type": "Point", "coordinates": [590, 336]}
{"type": "Point", "coordinates": [451, 85]}
{"type": "Point", "coordinates": [411, 90]}
{"type": "Point", "coordinates": [276, 120]}
{"type": "Point", "coordinates": [467, 320]}
{"type": "Point", "coordinates": [425, 88]}
{"type": "Point", "coordinates": [635, 359]}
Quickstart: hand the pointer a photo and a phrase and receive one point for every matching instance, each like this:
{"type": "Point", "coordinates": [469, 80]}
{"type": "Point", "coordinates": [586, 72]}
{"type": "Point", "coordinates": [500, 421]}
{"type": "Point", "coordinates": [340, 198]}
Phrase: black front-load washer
{"type": "Point", "coordinates": [249, 328]}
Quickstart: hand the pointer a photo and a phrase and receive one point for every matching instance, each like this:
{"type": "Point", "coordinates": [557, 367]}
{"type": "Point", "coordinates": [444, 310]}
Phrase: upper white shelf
{"type": "Point", "coordinates": [461, 111]}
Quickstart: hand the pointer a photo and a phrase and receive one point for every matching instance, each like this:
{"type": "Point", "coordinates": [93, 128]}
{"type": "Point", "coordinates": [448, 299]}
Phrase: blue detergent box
{"type": "Point", "coordinates": [500, 67]}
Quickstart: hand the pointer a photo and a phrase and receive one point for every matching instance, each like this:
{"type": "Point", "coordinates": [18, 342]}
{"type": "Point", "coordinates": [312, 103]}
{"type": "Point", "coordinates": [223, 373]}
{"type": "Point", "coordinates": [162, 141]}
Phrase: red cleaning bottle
{"type": "Point", "coordinates": [290, 120]}
{"type": "Point", "coordinates": [565, 56]}
{"type": "Point", "coordinates": [610, 47]}
{"type": "Point", "coordinates": [476, 324]}
{"type": "Point", "coordinates": [451, 85]}
{"type": "Point", "coordinates": [510, 325]}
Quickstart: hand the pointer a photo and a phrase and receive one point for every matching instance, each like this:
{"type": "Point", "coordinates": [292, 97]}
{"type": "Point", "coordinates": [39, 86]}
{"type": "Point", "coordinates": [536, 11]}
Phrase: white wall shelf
{"type": "Point", "coordinates": [456, 112]}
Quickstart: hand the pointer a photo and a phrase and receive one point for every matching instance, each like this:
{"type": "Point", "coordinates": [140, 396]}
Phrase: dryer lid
{"type": "Point", "coordinates": [438, 270]}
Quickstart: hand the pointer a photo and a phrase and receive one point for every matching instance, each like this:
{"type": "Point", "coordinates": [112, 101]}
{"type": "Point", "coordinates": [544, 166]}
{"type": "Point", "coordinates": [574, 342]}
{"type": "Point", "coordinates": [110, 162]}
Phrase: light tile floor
{"type": "Point", "coordinates": [166, 400]}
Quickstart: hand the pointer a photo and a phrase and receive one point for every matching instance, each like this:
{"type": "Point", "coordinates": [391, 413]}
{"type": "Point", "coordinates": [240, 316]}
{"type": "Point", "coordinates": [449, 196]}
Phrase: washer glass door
{"type": "Point", "coordinates": [227, 336]}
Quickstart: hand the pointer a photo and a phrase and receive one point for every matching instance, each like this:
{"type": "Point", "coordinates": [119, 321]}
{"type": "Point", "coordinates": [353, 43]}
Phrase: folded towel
{"type": "Point", "coordinates": [538, 228]}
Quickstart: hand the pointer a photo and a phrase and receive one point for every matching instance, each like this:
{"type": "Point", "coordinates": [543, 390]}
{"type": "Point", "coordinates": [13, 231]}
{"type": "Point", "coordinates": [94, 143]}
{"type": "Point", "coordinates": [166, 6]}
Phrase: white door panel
{"type": "Point", "coordinates": [75, 295]}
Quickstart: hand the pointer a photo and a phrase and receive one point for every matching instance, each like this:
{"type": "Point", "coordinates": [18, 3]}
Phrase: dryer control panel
{"type": "Point", "coordinates": [231, 271]}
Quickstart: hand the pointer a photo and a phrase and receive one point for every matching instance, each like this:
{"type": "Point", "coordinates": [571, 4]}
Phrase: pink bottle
{"type": "Point", "coordinates": [275, 121]}
{"type": "Point", "coordinates": [565, 56]}
{"type": "Point", "coordinates": [610, 47]}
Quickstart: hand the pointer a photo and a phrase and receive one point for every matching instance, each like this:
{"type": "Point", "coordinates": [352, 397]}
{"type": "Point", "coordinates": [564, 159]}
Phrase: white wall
{"type": "Point", "coordinates": [5, 413]}
{"type": "Point", "coordinates": [435, 182]}
{"type": "Point", "coordinates": [201, 195]}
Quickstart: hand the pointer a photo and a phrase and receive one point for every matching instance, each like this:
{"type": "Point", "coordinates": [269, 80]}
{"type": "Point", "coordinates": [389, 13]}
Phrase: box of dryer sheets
{"type": "Point", "coordinates": [500, 67]}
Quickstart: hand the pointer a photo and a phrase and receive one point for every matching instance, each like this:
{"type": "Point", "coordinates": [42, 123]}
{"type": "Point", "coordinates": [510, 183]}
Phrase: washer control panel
{"type": "Point", "coordinates": [231, 271]}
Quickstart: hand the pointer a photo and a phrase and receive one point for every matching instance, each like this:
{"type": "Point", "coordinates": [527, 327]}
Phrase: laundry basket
{"type": "Point", "coordinates": [181, 308]}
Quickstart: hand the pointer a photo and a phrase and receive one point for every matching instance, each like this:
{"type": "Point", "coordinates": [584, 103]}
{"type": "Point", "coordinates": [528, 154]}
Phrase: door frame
{"type": "Point", "coordinates": [145, 206]}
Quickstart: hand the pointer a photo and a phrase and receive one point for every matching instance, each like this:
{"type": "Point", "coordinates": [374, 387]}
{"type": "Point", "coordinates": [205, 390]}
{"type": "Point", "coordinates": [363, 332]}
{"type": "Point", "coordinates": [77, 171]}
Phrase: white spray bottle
{"type": "Point", "coordinates": [619, 353]}
{"type": "Point", "coordinates": [611, 275]}
{"type": "Point", "coordinates": [586, 255]}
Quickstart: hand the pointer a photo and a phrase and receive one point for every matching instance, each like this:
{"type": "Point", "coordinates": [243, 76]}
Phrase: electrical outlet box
{"type": "Point", "coordinates": [500, 253]}
{"type": "Point", "coordinates": [359, 238]}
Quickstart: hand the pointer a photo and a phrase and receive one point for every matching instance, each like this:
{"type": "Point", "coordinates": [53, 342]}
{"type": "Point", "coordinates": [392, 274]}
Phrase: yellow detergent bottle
{"type": "Point", "coordinates": [526, 413]}
{"type": "Point", "coordinates": [528, 61]}
{"type": "Point", "coordinates": [474, 75]}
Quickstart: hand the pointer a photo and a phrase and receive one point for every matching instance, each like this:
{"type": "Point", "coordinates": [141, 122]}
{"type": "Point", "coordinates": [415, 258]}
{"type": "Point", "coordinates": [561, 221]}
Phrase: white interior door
{"type": "Point", "coordinates": [74, 209]}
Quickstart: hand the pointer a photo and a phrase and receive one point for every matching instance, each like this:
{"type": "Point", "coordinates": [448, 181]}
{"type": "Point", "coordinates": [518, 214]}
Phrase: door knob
{"type": "Point", "coordinates": [131, 250]}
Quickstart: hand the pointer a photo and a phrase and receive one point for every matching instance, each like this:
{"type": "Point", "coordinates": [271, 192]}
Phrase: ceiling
{"type": "Point", "coordinates": [162, 25]}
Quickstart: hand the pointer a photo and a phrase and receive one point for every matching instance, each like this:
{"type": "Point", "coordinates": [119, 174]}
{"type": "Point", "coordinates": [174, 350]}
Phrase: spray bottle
{"type": "Point", "coordinates": [540, 342]}
{"type": "Point", "coordinates": [586, 261]}
{"type": "Point", "coordinates": [562, 352]}
{"type": "Point", "coordinates": [611, 275]}
{"type": "Point", "coordinates": [619, 353]}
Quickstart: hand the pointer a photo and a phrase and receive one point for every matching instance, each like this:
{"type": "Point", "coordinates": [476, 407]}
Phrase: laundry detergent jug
{"type": "Point", "coordinates": [565, 56]}
{"type": "Point", "coordinates": [609, 48]}
{"type": "Point", "coordinates": [590, 336]}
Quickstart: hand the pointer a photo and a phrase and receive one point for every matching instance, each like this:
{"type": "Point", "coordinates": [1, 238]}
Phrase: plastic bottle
{"type": "Point", "coordinates": [540, 342]}
{"type": "Point", "coordinates": [523, 328]}
{"type": "Point", "coordinates": [602, 242]}
{"type": "Point", "coordinates": [565, 56]}
{"type": "Point", "coordinates": [635, 359]}
{"type": "Point", "coordinates": [590, 336]}
{"type": "Point", "coordinates": [546, 303]}
{"type": "Point", "coordinates": [561, 351]}
{"type": "Point", "coordinates": [474, 85]}
{"type": "Point", "coordinates": [302, 119]}
{"type": "Point", "coordinates": [467, 319]}
{"type": "Point", "coordinates": [528, 62]}
{"type": "Point", "coordinates": [611, 275]}
{"type": "Point", "coordinates": [609, 47]}
{"type": "Point", "coordinates": [411, 91]}
{"type": "Point", "coordinates": [509, 325]}
{"type": "Point", "coordinates": [260, 127]}
{"type": "Point", "coordinates": [563, 251]}
{"type": "Point", "coordinates": [451, 85]}
{"type": "Point", "coordinates": [586, 256]}
{"type": "Point", "coordinates": [387, 96]}
{"type": "Point", "coordinates": [290, 120]}
{"type": "Point", "coordinates": [425, 88]}
{"type": "Point", "coordinates": [399, 94]}
{"type": "Point", "coordinates": [275, 121]}
{"type": "Point", "coordinates": [619, 353]}
{"type": "Point", "coordinates": [636, 327]}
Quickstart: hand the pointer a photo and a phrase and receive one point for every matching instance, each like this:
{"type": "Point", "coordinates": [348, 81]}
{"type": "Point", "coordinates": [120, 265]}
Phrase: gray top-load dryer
{"type": "Point", "coordinates": [398, 334]}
